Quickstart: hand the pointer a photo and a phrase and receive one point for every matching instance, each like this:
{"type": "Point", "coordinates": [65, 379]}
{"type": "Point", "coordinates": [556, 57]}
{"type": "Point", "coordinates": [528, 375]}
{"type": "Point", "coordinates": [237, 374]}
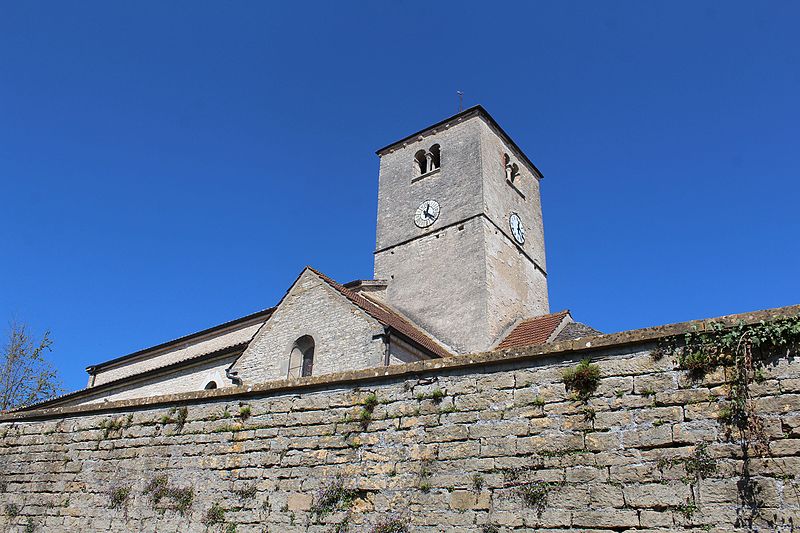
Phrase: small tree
{"type": "Point", "coordinates": [26, 377]}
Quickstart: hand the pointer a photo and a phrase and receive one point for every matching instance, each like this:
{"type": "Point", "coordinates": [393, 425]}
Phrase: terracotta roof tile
{"type": "Point", "coordinates": [533, 331]}
{"type": "Point", "coordinates": [388, 317]}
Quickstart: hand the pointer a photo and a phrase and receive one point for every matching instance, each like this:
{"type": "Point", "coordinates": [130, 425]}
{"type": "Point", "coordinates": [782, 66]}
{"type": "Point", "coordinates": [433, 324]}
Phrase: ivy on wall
{"type": "Point", "coordinates": [743, 351]}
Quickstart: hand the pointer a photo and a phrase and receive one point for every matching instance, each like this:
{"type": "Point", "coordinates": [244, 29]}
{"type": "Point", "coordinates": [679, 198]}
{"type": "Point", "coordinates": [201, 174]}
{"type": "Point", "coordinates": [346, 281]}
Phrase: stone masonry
{"type": "Point", "coordinates": [479, 443]}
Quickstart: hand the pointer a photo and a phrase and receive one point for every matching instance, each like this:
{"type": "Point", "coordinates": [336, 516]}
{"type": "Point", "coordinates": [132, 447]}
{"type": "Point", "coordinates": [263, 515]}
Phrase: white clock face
{"type": "Point", "coordinates": [517, 229]}
{"type": "Point", "coordinates": [427, 213]}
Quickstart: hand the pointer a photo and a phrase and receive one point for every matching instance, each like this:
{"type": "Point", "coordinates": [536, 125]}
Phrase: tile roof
{"type": "Point", "coordinates": [262, 315]}
{"type": "Point", "coordinates": [533, 331]}
{"type": "Point", "coordinates": [388, 317]}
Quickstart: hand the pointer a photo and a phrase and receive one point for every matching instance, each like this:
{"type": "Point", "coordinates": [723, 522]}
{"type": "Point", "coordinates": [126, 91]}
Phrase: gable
{"type": "Point", "coordinates": [345, 336]}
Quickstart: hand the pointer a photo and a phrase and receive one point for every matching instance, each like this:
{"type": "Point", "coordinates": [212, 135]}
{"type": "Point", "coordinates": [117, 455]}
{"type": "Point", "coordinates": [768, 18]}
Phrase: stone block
{"type": "Point", "coordinates": [299, 502]}
{"type": "Point", "coordinates": [606, 518]}
{"type": "Point", "coordinates": [647, 437]}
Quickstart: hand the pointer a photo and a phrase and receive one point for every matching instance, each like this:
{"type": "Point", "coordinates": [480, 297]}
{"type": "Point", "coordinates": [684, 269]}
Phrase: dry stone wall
{"type": "Point", "coordinates": [487, 443]}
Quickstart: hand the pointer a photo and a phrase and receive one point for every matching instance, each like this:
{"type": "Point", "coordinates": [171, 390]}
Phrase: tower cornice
{"type": "Point", "coordinates": [477, 110]}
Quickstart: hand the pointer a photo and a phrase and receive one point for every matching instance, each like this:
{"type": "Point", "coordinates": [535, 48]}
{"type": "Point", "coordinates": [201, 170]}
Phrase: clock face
{"type": "Point", "coordinates": [427, 213]}
{"type": "Point", "coordinates": [517, 229]}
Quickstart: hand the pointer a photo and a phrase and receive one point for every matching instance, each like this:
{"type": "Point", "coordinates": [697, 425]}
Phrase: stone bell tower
{"type": "Point", "coordinates": [460, 239]}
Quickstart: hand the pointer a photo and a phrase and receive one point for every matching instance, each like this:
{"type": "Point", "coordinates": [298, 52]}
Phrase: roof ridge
{"type": "Point", "coordinates": [548, 315]}
{"type": "Point", "coordinates": [185, 338]}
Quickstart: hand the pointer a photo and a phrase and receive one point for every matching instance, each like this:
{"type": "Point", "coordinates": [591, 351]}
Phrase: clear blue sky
{"type": "Point", "coordinates": [166, 166]}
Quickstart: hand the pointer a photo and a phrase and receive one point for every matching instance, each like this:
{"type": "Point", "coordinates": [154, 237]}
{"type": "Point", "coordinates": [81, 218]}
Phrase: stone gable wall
{"type": "Point", "coordinates": [479, 444]}
{"type": "Point", "coordinates": [344, 335]}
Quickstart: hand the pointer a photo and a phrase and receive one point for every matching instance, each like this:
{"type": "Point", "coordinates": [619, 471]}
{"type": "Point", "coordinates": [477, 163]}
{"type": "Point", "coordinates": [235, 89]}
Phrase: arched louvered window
{"type": "Point", "coordinates": [434, 157]}
{"type": "Point", "coordinates": [420, 162]}
{"type": "Point", "coordinates": [301, 358]}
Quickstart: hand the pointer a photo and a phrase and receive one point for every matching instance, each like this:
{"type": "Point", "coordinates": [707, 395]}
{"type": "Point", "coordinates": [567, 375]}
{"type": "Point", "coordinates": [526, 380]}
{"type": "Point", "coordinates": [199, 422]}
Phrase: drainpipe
{"type": "Point", "coordinates": [233, 376]}
{"type": "Point", "coordinates": [387, 339]}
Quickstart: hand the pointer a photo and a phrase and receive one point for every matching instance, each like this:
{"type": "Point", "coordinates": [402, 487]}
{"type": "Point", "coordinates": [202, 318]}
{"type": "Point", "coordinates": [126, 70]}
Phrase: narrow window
{"type": "Point", "coordinates": [512, 169]}
{"type": "Point", "coordinates": [420, 162]}
{"type": "Point", "coordinates": [301, 358]}
{"type": "Point", "coordinates": [434, 157]}
{"type": "Point", "coordinates": [211, 385]}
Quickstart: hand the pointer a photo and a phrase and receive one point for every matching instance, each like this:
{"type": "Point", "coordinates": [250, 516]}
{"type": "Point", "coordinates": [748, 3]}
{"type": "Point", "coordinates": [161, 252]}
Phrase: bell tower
{"type": "Point", "coordinates": [460, 239]}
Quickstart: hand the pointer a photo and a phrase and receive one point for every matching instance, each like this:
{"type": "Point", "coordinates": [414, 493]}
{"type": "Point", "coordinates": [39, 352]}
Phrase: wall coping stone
{"type": "Point", "coordinates": [565, 349]}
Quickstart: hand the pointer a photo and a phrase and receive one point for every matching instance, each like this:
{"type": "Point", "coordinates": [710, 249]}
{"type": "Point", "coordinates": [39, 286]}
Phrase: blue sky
{"type": "Point", "coordinates": [166, 166]}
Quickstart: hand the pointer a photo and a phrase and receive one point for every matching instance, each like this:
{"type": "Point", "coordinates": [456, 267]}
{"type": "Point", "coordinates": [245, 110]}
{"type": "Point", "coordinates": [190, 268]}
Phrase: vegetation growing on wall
{"type": "Point", "coordinates": [118, 497]}
{"type": "Point", "coordinates": [583, 379]}
{"type": "Point", "coordinates": [177, 416]}
{"type": "Point", "coordinates": [333, 497]}
{"type": "Point", "coordinates": [742, 350]}
{"type": "Point", "coordinates": [158, 488]}
{"type": "Point", "coordinates": [368, 407]}
{"type": "Point", "coordinates": [391, 524]}
{"type": "Point", "coordinates": [215, 515]}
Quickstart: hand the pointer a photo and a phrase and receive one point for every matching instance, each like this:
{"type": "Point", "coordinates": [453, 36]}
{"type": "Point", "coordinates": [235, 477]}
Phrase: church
{"type": "Point", "coordinates": [459, 268]}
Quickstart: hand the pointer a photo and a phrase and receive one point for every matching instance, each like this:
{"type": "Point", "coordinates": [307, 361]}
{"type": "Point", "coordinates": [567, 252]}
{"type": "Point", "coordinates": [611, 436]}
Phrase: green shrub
{"type": "Point", "coordinates": [583, 379]}
{"type": "Point", "coordinates": [437, 396]}
{"type": "Point", "coordinates": [118, 497]}
{"type": "Point", "coordinates": [215, 515]}
{"type": "Point", "coordinates": [370, 401]}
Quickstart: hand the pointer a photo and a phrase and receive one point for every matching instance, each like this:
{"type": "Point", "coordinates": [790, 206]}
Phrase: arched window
{"type": "Point", "coordinates": [420, 162]}
{"type": "Point", "coordinates": [211, 385]}
{"type": "Point", "coordinates": [512, 169]}
{"type": "Point", "coordinates": [434, 157]}
{"type": "Point", "coordinates": [301, 358]}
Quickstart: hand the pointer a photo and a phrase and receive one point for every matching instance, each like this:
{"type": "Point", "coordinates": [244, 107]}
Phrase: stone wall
{"type": "Point", "coordinates": [488, 442]}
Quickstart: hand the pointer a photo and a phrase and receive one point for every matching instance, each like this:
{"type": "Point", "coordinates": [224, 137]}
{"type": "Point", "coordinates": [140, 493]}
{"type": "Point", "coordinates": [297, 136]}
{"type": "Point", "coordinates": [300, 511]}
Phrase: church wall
{"type": "Point", "coordinates": [193, 378]}
{"type": "Point", "coordinates": [344, 336]}
{"type": "Point", "coordinates": [452, 444]}
{"type": "Point", "coordinates": [451, 306]}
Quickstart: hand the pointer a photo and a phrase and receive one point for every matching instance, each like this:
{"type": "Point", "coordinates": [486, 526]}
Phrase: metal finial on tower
{"type": "Point", "coordinates": [460, 100]}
